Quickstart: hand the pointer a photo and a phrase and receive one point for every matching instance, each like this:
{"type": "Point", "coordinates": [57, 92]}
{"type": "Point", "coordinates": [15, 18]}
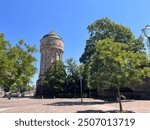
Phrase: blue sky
{"type": "Point", "coordinates": [31, 19]}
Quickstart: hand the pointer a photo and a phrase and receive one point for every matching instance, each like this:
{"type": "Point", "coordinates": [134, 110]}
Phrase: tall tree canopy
{"type": "Point", "coordinates": [113, 65]}
{"type": "Point", "coordinates": [72, 71]}
{"type": "Point", "coordinates": [113, 56]}
{"type": "Point", "coordinates": [72, 77]}
{"type": "Point", "coordinates": [104, 28]}
{"type": "Point", "coordinates": [16, 65]}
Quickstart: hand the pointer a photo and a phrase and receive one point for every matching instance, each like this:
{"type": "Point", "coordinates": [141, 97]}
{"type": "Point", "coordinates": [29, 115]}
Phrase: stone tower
{"type": "Point", "coordinates": [51, 49]}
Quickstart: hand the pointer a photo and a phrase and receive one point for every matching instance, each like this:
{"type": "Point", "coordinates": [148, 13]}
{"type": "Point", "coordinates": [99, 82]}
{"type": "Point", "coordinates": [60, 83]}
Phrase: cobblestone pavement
{"type": "Point", "coordinates": [65, 105]}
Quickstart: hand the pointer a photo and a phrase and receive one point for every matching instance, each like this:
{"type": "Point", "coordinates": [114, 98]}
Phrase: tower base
{"type": "Point", "coordinates": [43, 91]}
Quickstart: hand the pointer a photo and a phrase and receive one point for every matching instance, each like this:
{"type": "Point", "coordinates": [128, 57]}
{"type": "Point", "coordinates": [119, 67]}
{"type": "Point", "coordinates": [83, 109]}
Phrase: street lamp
{"type": "Point", "coordinates": [146, 31]}
{"type": "Point", "coordinates": [80, 78]}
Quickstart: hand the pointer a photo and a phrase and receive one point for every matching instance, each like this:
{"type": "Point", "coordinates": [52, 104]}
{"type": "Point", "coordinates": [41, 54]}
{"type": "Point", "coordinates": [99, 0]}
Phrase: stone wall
{"type": "Point", "coordinates": [133, 91]}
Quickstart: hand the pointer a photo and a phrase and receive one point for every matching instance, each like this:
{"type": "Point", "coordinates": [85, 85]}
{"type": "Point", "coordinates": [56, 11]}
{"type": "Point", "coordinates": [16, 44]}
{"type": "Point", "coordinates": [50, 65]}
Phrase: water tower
{"type": "Point", "coordinates": [51, 49]}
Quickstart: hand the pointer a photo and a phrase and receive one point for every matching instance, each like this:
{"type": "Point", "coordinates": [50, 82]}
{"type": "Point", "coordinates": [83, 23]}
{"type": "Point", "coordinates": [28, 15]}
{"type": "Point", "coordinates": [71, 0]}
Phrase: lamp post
{"type": "Point", "coordinates": [80, 78]}
{"type": "Point", "coordinates": [146, 32]}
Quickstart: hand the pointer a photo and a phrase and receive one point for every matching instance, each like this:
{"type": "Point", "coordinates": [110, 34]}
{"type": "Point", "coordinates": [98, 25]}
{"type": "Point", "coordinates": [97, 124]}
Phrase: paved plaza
{"type": "Point", "coordinates": [65, 105]}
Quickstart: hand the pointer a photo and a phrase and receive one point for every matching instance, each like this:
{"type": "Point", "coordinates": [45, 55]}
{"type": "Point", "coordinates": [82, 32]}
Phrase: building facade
{"type": "Point", "coordinates": [51, 49]}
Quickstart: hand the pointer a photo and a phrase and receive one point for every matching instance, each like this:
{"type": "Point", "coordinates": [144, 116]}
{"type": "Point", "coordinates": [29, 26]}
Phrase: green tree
{"type": "Point", "coordinates": [113, 65]}
{"type": "Point", "coordinates": [102, 29]}
{"type": "Point", "coordinates": [16, 65]}
{"type": "Point", "coordinates": [72, 76]}
{"type": "Point", "coordinates": [56, 77]}
{"type": "Point", "coordinates": [5, 63]}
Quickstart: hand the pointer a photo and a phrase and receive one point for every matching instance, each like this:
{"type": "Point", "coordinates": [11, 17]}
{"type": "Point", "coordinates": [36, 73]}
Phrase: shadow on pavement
{"type": "Point", "coordinates": [100, 111]}
{"type": "Point", "coordinates": [70, 103]}
{"type": "Point", "coordinates": [75, 103]}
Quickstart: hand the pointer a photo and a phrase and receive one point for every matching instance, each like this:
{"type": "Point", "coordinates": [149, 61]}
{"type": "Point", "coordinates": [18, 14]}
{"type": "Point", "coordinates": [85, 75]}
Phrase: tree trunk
{"type": "Point", "coordinates": [119, 100]}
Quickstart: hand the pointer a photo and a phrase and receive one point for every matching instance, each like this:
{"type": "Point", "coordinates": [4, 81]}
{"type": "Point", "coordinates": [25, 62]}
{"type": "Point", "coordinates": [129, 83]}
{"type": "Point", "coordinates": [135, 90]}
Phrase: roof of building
{"type": "Point", "coordinates": [52, 35]}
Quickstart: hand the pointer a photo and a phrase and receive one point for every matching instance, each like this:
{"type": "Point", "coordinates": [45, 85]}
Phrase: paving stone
{"type": "Point", "coordinates": [65, 105]}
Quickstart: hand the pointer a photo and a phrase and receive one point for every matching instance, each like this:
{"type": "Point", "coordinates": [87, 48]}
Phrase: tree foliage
{"type": "Point", "coordinates": [106, 29]}
{"type": "Point", "coordinates": [113, 65]}
{"type": "Point", "coordinates": [73, 73]}
{"type": "Point", "coordinates": [100, 30]}
{"type": "Point", "coordinates": [16, 65]}
{"type": "Point", "coordinates": [72, 77]}
{"type": "Point", "coordinates": [56, 77]}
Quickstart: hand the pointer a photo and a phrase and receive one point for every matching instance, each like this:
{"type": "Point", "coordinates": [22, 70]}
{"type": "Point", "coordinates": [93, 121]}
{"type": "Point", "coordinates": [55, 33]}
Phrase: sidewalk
{"type": "Point", "coordinates": [65, 105]}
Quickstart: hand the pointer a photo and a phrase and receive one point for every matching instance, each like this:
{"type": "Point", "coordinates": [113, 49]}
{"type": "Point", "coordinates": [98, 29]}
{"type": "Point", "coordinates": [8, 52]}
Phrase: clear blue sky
{"type": "Point", "coordinates": [31, 19]}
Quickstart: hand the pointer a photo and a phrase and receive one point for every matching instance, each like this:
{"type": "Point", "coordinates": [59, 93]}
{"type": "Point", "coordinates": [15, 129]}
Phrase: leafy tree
{"type": "Point", "coordinates": [5, 63]}
{"type": "Point", "coordinates": [16, 65]}
{"type": "Point", "coordinates": [72, 76]}
{"type": "Point", "coordinates": [102, 29]}
{"type": "Point", "coordinates": [106, 29]}
{"type": "Point", "coordinates": [56, 77]}
{"type": "Point", "coordinates": [113, 65]}
{"type": "Point", "coordinates": [83, 70]}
